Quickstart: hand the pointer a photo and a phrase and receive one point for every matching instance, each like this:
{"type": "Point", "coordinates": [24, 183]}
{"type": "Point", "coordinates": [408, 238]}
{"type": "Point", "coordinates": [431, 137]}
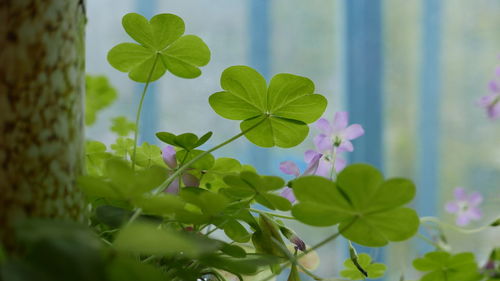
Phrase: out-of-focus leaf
{"type": "Point", "coordinates": [99, 95]}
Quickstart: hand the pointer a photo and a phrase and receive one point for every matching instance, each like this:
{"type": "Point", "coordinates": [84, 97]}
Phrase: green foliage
{"type": "Point", "coordinates": [148, 155]}
{"type": "Point", "coordinates": [374, 270]}
{"type": "Point", "coordinates": [443, 266]}
{"type": "Point", "coordinates": [187, 141]}
{"type": "Point", "coordinates": [213, 178]}
{"type": "Point", "coordinates": [122, 126]}
{"type": "Point", "coordinates": [280, 112]}
{"type": "Point", "coordinates": [162, 46]}
{"type": "Point", "coordinates": [249, 185]}
{"type": "Point", "coordinates": [95, 157]}
{"type": "Point", "coordinates": [123, 147]}
{"type": "Point", "coordinates": [121, 182]}
{"type": "Point", "coordinates": [99, 95]}
{"type": "Point", "coordinates": [367, 208]}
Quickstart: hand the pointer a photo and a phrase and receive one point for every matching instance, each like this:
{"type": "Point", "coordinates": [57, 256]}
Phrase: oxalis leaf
{"type": "Point", "coordinates": [444, 266]}
{"type": "Point", "coordinates": [374, 270]}
{"type": "Point", "coordinates": [367, 207]}
{"type": "Point", "coordinates": [160, 44]}
{"type": "Point", "coordinates": [282, 110]}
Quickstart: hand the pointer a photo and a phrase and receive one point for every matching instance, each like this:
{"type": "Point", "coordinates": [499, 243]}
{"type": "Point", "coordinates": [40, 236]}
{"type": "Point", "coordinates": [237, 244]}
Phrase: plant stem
{"type": "Point", "coordinates": [333, 171]}
{"type": "Point", "coordinates": [432, 243]}
{"type": "Point", "coordinates": [181, 169]}
{"type": "Point", "coordinates": [319, 245]}
{"type": "Point", "coordinates": [271, 214]}
{"type": "Point", "coordinates": [139, 109]}
{"type": "Point", "coordinates": [459, 229]}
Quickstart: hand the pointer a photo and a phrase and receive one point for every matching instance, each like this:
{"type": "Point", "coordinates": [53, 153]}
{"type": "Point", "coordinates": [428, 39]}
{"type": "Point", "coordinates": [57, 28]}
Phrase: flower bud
{"type": "Point", "coordinates": [293, 237]}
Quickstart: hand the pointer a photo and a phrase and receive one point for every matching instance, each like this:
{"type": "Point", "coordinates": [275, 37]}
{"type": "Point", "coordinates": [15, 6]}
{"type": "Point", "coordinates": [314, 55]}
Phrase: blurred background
{"type": "Point", "coordinates": [409, 71]}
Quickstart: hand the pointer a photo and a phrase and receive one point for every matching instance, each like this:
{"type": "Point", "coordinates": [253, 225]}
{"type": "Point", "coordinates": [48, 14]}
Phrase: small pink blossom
{"type": "Point", "coordinates": [169, 157]}
{"type": "Point", "coordinates": [338, 134]}
{"type": "Point", "coordinates": [465, 206]}
{"type": "Point", "coordinates": [491, 102]}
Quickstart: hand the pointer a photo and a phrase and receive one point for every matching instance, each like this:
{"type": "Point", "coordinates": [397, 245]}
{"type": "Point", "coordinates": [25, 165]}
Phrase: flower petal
{"type": "Point", "coordinates": [190, 180]}
{"type": "Point", "coordinates": [493, 86]}
{"type": "Point", "coordinates": [340, 164]}
{"type": "Point", "coordinates": [494, 111]}
{"type": "Point", "coordinates": [309, 155]}
{"type": "Point", "coordinates": [340, 121]}
{"type": "Point", "coordinates": [323, 143]}
{"type": "Point", "coordinates": [324, 168]}
{"type": "Point", "coordinates": [168, 155]}
{"type": "Point", "coordinates": [452, 207]}
{"type": "Point", "coordinates": [354, 131]}
{"type": "Point", "coordinates": [345, 146]}
{"type": "Point", "coordinates": [475, 198]}
{"type": "Point", "coordinates": [486, 101]}
{"type": "Point", "coordinates": [324, 126]}
{"type": "Point", "coordinates": [313, 163]}
{"type": "Point", "coordinates": [474, 213]}
{"type": "Point", "coordinates": [460, 194]}
{"type": "Point", "coordinates": [462, 219]}
{"type": "Point", "coordinates": [288, 194]}
{"type": "Point", "coordinates": [289, 168]}
{"type": "Point", "coordinates": [173, 188]}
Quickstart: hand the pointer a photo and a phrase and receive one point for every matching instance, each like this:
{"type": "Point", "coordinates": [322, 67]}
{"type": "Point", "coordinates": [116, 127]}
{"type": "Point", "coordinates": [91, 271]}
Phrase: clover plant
{"type": "Point", "coordinates": [153, 211]}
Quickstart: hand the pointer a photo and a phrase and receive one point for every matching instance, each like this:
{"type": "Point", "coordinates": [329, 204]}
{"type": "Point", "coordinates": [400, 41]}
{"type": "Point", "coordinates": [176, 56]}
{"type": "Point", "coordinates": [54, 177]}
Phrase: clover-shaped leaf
{"type": "Point", "coordinates": [250, 185]}
{"type": "Point", "coordinates": [374, 270]}
{"type": "Point", "coordinates": [368, 208]}
{"type": "Point", "coordinates": [443, 266]}
{"type": "Point", "coordinates": [161, 46]}
{"type": "Point", "coordinates": [96, 156]}
{"type": "Point", "coordinates": [278, 114]}
{"type": "Point", "coordinates": [122, 126]}
{"type": "Point", "coordinates": [99, 94]}
{"type": "Point", "coordinates": [188, 141]}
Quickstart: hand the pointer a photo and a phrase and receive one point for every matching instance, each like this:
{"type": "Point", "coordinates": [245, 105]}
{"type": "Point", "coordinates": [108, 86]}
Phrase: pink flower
{"type": "Point", "coordinates": [491, 102]}
{"type": "Point", "coordinates": [169, 157]}
{"type": "Point", "coordinates": [317, 164]}
{"type": "Point", "coordinates": [465, 206]}
{"type": "Point", "coordinates": [338, 134]}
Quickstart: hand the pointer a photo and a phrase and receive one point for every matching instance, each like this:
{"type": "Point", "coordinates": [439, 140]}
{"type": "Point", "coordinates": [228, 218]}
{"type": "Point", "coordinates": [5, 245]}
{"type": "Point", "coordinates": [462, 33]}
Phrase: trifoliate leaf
{"type": "Point", "coordinates": [123, 146]}
{"type": "Point", "coordinates": [368, 208]}
{"type": "Point", "coordinates": [122, 126]}
{"type": "Point", "coordinates": [96, 156]}
{"type": "Point", "coordinates": [374, 270]}
{"type": "Point", "coordinates": [213, 177]}
{"type": "Point", "coordinates": [187, 141]}
{"type": "Point", "coordinates": [249, 184]}
{"type": "Point", "coordinates": [278, 114]}
{"type": "Point", "coordinates": [99, 95]}
{"type": "Point", "coordinates": [443, 266]}
{"type": "Point", "coordinates": [161, 46]}
{"type": "Point", "coordinates": [148, 155]}
{"type": "Point", "coordinates": [236, 231]}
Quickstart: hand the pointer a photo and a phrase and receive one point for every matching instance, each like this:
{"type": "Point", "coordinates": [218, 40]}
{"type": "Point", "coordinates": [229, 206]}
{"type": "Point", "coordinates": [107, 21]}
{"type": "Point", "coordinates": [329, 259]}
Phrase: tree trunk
{"type": "Point", "coordinates": [41, 110]}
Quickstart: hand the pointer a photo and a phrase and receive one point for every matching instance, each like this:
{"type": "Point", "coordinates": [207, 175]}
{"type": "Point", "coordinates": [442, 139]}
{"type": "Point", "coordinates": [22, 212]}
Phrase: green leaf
{"type": "Point", "coordinates": [112, 216]}
{"type": "Point", "coordinates": [444, 266]}
{"type": "Point", "coordinates": [99, 95]}
{"type": "Point", "coordinates": [96, 156]}
{"type": "Point", "coordinates": [374, 270]}
{"type": "Point", "coordinates": [213, 177]}
{"type": "Point", "coordinates": [367, 207]}
{"type": "Point", "coordinates": [148, 155]}
{"type": "Point", "coordinates": [122, 126]}
{"type": "Point", "coordinates": [204, 163]}
{"type": "Point", "coordinates": [162, 46]}
{"type": "Point", "coordinates": [123, 146]}
{"type": "Point", "coordinates": [121, 181]}
{"type": "Point", "coordinates": [237, 232]}
{"type": "Point", "coordinates": [127, 269]}
{"type": "Point", "coordinates": [187, 141]}
{"type": "Point", "coordinates": [233, 250]}
{"type": "Point", "coordinates": [161, 204]}
{"type": "Point", "coordinates": [280, 112]}
{"type": "Point", "coordinates": [143, 238]}
{"type": "Point", "coordinates": [251, 185]}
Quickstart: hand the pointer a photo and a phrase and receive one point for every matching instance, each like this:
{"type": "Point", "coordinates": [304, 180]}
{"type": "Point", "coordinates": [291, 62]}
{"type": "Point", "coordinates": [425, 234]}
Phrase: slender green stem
{"type": "Point", "coordinates": [456, 228]}
{"type": "Point", "coordinates": [139, 109]}
{"type": "Point", "coordinates": [433, 243]}
{"type": "Point", "coordinates": [333, 171]}
{"type": "Point", "coordinates": [134, 216]}
{"type": "Point", "coordinates": [271, 214]}
{"type": "Point", "coordinates": [319, 245]}
{"type": "Point", "coordinates": [181, 169]}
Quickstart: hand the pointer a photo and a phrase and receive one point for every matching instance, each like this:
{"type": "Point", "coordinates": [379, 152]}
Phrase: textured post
{"type": "Point", "coordinates": [41, 110]}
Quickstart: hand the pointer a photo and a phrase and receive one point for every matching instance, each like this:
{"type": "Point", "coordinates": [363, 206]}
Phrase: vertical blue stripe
{"type": "Point", "coordinates": [259, 29]}
{"type": "Point", "coordinates": [363, 83]}
{"type": "Point", "coordinates": [148, 124]}
{"type": "Point", "coordinates": [428, 130]}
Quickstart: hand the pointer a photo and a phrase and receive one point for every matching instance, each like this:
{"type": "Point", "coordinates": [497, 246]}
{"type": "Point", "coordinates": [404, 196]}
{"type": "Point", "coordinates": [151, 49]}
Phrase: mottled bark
{"type": "Point", "coordinates": [41, 110]}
